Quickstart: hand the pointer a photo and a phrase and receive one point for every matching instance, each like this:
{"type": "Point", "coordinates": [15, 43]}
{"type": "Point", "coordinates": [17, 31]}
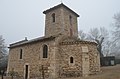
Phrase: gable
{"type": "Point", "coordinates": [58, 6]}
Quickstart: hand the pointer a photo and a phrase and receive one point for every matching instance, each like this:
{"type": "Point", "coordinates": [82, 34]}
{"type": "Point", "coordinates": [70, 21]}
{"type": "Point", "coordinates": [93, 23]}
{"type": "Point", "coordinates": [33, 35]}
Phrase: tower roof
{"type": "Point", "coordinates": [58, 6]}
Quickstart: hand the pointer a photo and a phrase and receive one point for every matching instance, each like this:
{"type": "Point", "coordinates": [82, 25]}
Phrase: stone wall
{"type": "Point", "coordinates": [58, 64]}
{"type": "Point", "coordinates": [70, 69]}
{"type": "Point", "coordinates": [61, 24]}
{"type": "Point", "coordinates": [77, 68]}
{"type": "Point", "coordinates": [32, 56]}
{"type": "Point", "coordinates": [94, 59]}
{"type": "Point", "coordinates": [73, 25]}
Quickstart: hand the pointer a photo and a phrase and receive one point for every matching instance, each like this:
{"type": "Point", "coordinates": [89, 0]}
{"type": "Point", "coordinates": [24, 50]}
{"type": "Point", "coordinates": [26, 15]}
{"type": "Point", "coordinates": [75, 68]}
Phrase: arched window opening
{"type": "Point", "coordinates": [70, 18]}
{"type": "Point", "coordinates": [53, 17]}
{"type": "Point", "coordinates": [45, 51]}
{"type": "Point", "coordinates": [71, 59]}
{"type": "Point", "coordinates": [21, 52]}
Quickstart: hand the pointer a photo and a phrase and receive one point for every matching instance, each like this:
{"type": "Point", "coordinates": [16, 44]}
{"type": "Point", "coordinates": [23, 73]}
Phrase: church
{"type": "Point", "coordinates": [60, 53]}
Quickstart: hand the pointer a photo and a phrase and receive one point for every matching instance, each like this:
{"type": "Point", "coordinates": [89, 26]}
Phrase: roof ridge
{"type": "Point", "coordinates": [60, 5]}
{"type": "Point", "coordinates": [31, 41]}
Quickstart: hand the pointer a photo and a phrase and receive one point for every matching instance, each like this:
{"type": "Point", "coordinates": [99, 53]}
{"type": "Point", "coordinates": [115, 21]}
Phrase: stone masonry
{"type": "Point", "coordinates": [60, 53]}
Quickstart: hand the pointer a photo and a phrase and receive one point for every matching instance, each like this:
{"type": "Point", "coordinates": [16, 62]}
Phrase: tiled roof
{"type": "Point", "coordinates": [58, 6]}
{"type": "Point", "coordinates": [74, 40]}
{"type": "Point", "coordinates": [77, 42]}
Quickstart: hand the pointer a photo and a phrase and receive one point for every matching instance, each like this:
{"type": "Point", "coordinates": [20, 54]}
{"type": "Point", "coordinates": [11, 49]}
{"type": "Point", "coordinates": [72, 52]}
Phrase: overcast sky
{"type": "Point", "coordinates": [24, 18]}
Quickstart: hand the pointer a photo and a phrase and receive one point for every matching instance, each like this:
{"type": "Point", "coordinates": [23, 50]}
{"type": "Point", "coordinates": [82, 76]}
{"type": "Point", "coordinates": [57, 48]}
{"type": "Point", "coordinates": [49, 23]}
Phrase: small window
{"type": "Point", "coordinates": [71, 59]}
{"type": "Point", "coordinates": [21, 52]}
{"type": "Point", "coordinates": [53, 17]}
{"type": "Point", "coordinates": [45, 51]}
{"type": "Point", "coordinates": [70, 18]}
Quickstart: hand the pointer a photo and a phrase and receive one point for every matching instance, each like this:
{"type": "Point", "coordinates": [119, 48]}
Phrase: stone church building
{"type": "Point", "coordinates": [59, 53]}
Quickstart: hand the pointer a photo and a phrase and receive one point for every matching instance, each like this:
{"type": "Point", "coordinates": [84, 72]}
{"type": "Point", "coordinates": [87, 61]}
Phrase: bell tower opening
{"type": "Point", "coordinates": [53, 17]}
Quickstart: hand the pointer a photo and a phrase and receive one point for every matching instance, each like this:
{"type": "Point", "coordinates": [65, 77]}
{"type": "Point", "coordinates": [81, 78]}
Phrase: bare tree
{"type": "Point", "coordinates": [2, 47]}
{"type": "Point", "coordinates": [116, 32]}
{"type": "Point", "coordinates": [3, 55]}
{"type": "Point", "coordinates": [107, 48]}
{"type": "Point", "coordinates": [82, 35]}
{"type": "Point", "coordinates": [100, 36]}
{"type": "Point", "coordinates": [116, 35]}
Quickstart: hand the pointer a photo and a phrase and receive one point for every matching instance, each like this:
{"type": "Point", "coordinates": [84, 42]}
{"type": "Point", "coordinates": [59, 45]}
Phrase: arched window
{"type": "Point", "coordinates": [71, 59]}
{"type": "Point", "coordinates": [53, 17]}
{"type": "Point", "coordinates": [45, 51]}
{"type": "Point", "coordinates": [70, 18]}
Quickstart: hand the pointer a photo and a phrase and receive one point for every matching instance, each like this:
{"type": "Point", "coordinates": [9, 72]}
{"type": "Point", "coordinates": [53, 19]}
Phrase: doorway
{"type": "Point", "coordinates": [26, 71]}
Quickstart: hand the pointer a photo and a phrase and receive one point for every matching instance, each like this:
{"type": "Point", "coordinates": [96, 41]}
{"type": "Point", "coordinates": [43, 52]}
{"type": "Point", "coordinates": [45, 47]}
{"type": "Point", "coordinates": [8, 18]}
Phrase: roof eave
{"type": "Point", "coordinates": [32, 41]}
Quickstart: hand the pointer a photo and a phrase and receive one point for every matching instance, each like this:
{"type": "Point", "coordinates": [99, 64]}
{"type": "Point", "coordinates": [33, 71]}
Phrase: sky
{"type": "Point", "coordinates": [24, 18]}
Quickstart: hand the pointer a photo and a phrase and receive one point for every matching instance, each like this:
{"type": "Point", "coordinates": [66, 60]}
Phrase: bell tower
{"type": "Point", "coordinates": [61, 19]}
